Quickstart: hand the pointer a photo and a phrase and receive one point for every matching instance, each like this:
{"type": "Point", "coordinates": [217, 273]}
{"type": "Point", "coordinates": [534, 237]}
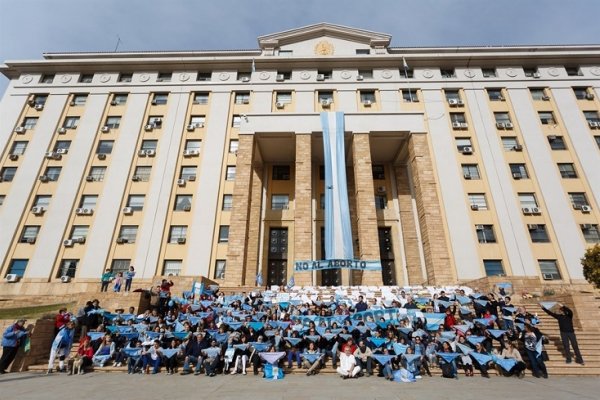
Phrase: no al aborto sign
{"type": "Point", "coordinates": [318, 265]}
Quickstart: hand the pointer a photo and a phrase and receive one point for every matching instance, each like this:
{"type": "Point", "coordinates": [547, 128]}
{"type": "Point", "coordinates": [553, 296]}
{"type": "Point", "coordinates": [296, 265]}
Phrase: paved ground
{"type": "Point", "coordinates": [102, 386]}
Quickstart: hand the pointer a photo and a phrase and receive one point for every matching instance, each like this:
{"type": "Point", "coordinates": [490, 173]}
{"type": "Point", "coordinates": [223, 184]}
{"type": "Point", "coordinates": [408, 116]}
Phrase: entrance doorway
{"type": "Point", "coordinates": [277, 263]}
{"type": "Point", "coordinates": [386, 251]}
{"type": "Point", "coordinates": [329, 277]}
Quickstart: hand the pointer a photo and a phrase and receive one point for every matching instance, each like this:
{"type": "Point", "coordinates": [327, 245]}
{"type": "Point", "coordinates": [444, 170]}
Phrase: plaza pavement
{"type": "Point", "coordinates": [102, 386]}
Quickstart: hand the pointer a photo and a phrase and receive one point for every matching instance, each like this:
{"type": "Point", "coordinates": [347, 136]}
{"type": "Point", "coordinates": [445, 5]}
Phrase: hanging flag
{"type": "Point", "coordinates": [253, 66]}
{"type": "Point", "coordinates": [291, 283]}
{"type": "Point", "coordinates": [259, 279]}
{"type": "Point", "coordinates": [404, 64]}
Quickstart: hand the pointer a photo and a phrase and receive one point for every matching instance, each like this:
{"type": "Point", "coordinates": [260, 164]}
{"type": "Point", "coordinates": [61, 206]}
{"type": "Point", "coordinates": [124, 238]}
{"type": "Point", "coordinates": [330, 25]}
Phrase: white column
{"type": "Point", "coordinates": [10, 108]}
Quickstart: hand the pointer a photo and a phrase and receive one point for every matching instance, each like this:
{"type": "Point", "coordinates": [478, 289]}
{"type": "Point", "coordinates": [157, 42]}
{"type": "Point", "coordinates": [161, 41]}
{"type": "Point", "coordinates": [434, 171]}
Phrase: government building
{"type": "Point", "coordinates": [460, 163]}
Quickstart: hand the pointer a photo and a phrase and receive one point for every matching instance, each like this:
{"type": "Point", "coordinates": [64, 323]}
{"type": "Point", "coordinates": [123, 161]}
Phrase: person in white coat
{"type": "Point", "coordinates": [348, 367]}
{"type": "Point", "coordinates": [61, 346]}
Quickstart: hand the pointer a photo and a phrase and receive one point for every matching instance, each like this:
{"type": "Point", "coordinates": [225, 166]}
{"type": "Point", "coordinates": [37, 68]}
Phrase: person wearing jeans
{"type": "Point", "coordinates": [531, 337]}
{"type": "Point", "coordinates": [567, 332]}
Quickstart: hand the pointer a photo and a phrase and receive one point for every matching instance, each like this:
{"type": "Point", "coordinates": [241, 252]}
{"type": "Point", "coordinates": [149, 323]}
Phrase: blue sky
{"type": "Point", "coordinates": [29, 28]}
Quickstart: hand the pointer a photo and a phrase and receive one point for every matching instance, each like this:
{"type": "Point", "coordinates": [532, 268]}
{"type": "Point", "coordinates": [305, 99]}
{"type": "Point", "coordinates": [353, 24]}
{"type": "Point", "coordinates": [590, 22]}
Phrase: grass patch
{"type": "Point", "coordinates": [33, 312]}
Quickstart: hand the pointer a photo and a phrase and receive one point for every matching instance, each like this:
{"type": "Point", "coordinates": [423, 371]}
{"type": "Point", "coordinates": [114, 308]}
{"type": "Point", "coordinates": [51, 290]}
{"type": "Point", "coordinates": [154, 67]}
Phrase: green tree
{"type": "Point", "coordinates": [591, 265]}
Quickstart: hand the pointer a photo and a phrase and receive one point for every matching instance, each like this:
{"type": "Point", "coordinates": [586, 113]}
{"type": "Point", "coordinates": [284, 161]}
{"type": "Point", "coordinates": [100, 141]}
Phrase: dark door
{"type": "Point", "coordinates": [386, 251]}
{"type": "Point", "coordinates": [278, 245]}
{"type": "Point", "coordinates": [329, 277]}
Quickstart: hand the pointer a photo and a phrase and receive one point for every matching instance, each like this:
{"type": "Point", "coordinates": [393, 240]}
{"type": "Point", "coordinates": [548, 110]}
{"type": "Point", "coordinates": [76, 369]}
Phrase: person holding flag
{"type": "Point", "coordinates": [61, 346]}
{"type": "Point", "coordinates": [12, 338]}
{"type": "Point", "coordinates": [567, 332]}
{"type": "Point", "coordinates": [532, 338]}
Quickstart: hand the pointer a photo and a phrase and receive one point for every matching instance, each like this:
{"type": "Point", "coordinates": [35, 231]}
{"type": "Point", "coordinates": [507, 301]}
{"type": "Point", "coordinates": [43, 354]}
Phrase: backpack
{"type": "Point", "coordinates": [447, 370]}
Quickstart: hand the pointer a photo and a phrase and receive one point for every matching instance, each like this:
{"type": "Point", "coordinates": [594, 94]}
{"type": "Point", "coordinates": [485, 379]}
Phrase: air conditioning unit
{"type": "Point", "coordinates": [38, 210]}
{"type": "Point", "coordinates": [585, 209]}
{"type": "Point", "coordinates": [191, 153]}
{"type": "Point", "coordinates": [589, 96]}
{"type": "Point", "coordinates": [474, 207]}
{"type": "Point", "coordinates": [279, 104]}
{"type": "Point", "coordinates": [456, 125]}
{"type": "Point", "coordinates": [121, 240]}
{"type": "Point", "coordinates": [467, 150]}
{"type": "Point", "coordinates": [320, 77]}
{"type": "Point", "coordinates": [181, 182]}
{"type": "Point", "coordinates": [381, 189]}
{"type": "Point", "coordinates": [57, 156]}
{"type": "Point", "coordinates": [80, 240]}
{"type": "Point", "coordinates": [72, 103]}
{"type": "Point", "coordinates": [105, 129]}
{"type": "Point", "coordinates": [43, 178]}
{"type": "Point", "coordinates": [12, 278]}
{"type": "Point", "coordinates": [246, 101]}
{"type": "Point", "coordinates": [464, 125]}
{"type": "Point", "coordinates": [526, 210]}
{"type": "Point", "coordinates": [360, 78]}
{"type": "Point", "coordinates": [68, 243]}
{"type": "Point", "coordinates": [593, 124]}
{"type": "Point", "coordinates": [518, 147]}
{"type": "Point", "coordinates": [31, 101]}
{"type": "Point", "coordinates": [546, 98]}
{"type": "Point", "coordinates": [367, 103]}
{"type": "Point", "coordinates": [62, 151]}
{"type": "Point", "coordinates": [500, 125]}
{"type": "Point", "coordinates": [65, 279]}
{"type": "Point", "coordinates": [532, 227]}
{"type": "Point", "coordinates": [191, 127]}
{"type": "Point", "coordinates": [280, 77]}
{"type": "Point", "coordinates": [135, 178]}
{"type": "Point", "coordinates": [181, 240]}
{"type": "Point", "coordinates": [517, 175]}
{"type": "Point", "coordinates": [142, 153]}
{"type": "Point", "coordinates": [326, 103]}
{"type": "Point", "coordinates": [467, 176]}
{"type": "Point", "coordinates": [39, 107]}
{"type": "Point", "coordinates": [508, 125]}
{"type": "Point", "coordinates": [453, 102]}
{"type": "Point", "coordinates": [245, 79]}
{"type": "Point", "coordinates": [150, 153]}
{"type": "Point", "coordinates": [80, 211]}
{"type": "Point", "coordinates": [114, 103]}
{"type": "Point", "coordinates": [101, 156]}
{"type": "Point", "coordinates": [154, 102]}
{"type": "Point", "coordinates": [20, 129]}
{"type": "Point", "coordinates": [49, 154]}
{"type": "Point", "coordinates": [149, 127]}
{"type": "Point", "coordinates": [537, 75]}
{"type": "Point", "coordinates": [31, 240]}
{"type": "Point", "coordinates": [187, 208]}
{"type": "Point", "coordinates": [89, 178]}
{"type": "Point", "coordinates": [13, 157]}
{"type": "Point", "coordinates": [191, 178]}
{"type": "Point", "coordinates": [62, 131]}
{"type": "Point", "coordinates": [551, 138]}
{"type": "Point", "coordinates": [535, 210]}
{"type": "Point", "coordinates": [127, 210]}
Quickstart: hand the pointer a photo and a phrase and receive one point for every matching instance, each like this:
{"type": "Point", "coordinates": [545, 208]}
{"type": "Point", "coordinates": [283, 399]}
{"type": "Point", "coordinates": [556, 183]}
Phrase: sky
{"type": "Point", "coordinates": [29, 28]}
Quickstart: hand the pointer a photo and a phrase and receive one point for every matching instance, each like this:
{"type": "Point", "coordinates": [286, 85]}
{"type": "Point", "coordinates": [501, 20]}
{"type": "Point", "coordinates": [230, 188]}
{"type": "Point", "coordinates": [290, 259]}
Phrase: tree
{"type": "Point", "coordinates": [591, 265]}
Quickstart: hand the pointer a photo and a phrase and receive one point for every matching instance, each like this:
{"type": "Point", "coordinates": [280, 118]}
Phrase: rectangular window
{"type": "Point", "coordinates": [280, 201]}
{"type": "Point", "coordinates": [236, 121]}
{"type": "Point", "coordinates": [120, 265]}
{"type": "Point", "coordinates": [362, 52]}
{"type": "Point", "coordinates": [590, 233]}
{"type": "Point", "coordinates": [29, 234]}
{"type": "Point", "coordinates": [549, 270]}
{"type": "Point", "coordinates": [155, 121]}
{"type": "Point", "coordinates": [557, 142]}
{"type": "Point", "coordinates": [489, 72]}
{"type": "Point", "coordinates": [519, 171]}
{"type": "Point", "coordinates": [567, 170]}
{"type": "Point", "coordinates": [187, 172]}
{"type": "Point", "coordinates": [177, 233]}
{"type": "Point", "coordinates": [547, 117]}
{"type": "Point", "coordinates": [592, 116]}
{"type": "Point", "coordinates": [326, 73]}
{"type": "Point", "coordinates": [17, 267]}
{"type": "Point", "coordinates": [581, 93]}
{"type": "Point", "coordinates": [220, 266]}
{"type": "Point", "coordinates": [470, 171]}
{"type": "Point", "coordinates": [223, 233]}
{"type": "Point", "coordinates": [53, 173]}
{"type": "Point", "coordinates": [42, 200]}
{"type": "Point", "coordinates": [485, 233]}
{"type": "Point", "coordinates": [97, 173]}
{"type": "Point", "coordinates": [71, 122]}
{"type": "Point", "coordinates": [244, 76]}
{"type": "Point", "coordinates": [527, 200]}
{"type": "Point", "coordinates": [538, 233]}
{"type": "Point", "coordinates": [160, 99]}
{"type": "Point", "coordinates": [477, 201]}
{"type": "Point", "coordinates": [164, 77]}
{"type": "Point", "coordinates": [124, 78]}
{"type": "Point", "coordinates": [242, 98]}
{"type": "Point", "coordinates": [495, 94]}
{"type": "Point", "coordinates": [79, 232]}
{"type": "Point", "coordinates": [18, 148]}
{"type": "Point", "coordinates": [366, 73]}
{"type": "Point", "coordinates": [105, 147]}
{"type": "Point", "coordinates": [380, 201]}
{"type": "Point", "coordinates": [458, 118]}
{"type": "Point", "coordinates": [578, 199]}
{"type": "Point", "coordinates": [183, 202]}
{"type": "Point", "coordinates": [452, 96]}
{"type": "Point", "coordinates": [2, 197]}
{"type": "Point", "coordinates": [367, 96]}
{"type": "Point", "coordinates": [68, 267]}
{"type": "Point", "coordinates": [448, 73]}
{"type": "Point", "coordinates": [493, 267]}
{"type": "Point", "coordinates": [47, 78]}
{"type": "Point", "coordinates": [325, 96]}
{"type": "Point", "coordinates": [204, 76]}
{"type": "Point", "coordinates": [410, 95]}
{"type": "Point", "coordinates": [149, 145]}
{"type": "Point", "coordinates": [193, 145]}
{"type": "Point", "coordinates": [502, 117]}
{"type": "Point", "coordinates": [113, 122]}
{"type": "Point", "coordinates": [7, 174]}
{"type": "Point", "coordinates": [88, 201]}
{"type": "Point", "coordinates": [198, 120]}
{"type": "Point", "coordinates": [79, 100]}
{"type": "Point", "coordinates": [227, 202]}
{"type": "Point", "coordinates": [234, 145]}
{"type": "Point", "coordinates": [142, 173]}
{"type": "Point", "coordinates": [283, 97]}
{"type": "Point", "coordinates": [531, 72]}
{"type": "Point", "coordinates": [509, 143]}
{"type": "Point", "coordinates": [128, 233]}
{"type": "Point", "coordinates": [322, 201]}
{"type": "Point", "coordinates": [172, 267]}
{"type": "Point", "coordinates": [62, 145]}
{"type": "Point", "coordinates": [573, 71]}
{"type": "Point", "coordinates": [287, 75]}
{"type": "Point", "coordinates": [201, 98]}
{"type": "Point", "coordinates": [136, 202]}
{"type": "Point", "coordinates": [230, 174]}
{"type": "Point", "coordinates": [378, 172]}
{"type": "Point", "coordinates": [462, 143]}
{"type": "Point", "coordinates": [119, 99]}
{"type": "Point", "coordinates": [538, 94]}
{"type": "Point", "coordinates": [29, 122]}
{"type": "Point", "coordinates": [281, 172]}
{"type": "Point", "coordinates": [86, 78]}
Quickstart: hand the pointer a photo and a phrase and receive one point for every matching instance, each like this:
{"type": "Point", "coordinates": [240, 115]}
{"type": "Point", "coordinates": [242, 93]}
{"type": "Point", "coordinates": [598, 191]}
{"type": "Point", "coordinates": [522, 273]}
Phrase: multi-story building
{"type": "Point", "coordinates": [461, 162]}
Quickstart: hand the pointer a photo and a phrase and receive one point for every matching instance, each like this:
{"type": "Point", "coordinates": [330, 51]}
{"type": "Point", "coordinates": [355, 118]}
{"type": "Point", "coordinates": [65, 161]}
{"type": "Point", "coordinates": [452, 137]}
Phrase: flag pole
{"type": "Point", "coordinates": [405, 66]}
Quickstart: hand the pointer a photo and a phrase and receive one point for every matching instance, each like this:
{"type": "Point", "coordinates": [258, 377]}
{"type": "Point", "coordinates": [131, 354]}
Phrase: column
{"type": "Point", "coordinates": [368, 243]}
{"type": "Point", "coordinates": [240, 213]}
{"type": "Point", "coordinates": [303, 206]}
{"type": "Point", "coordinates": [254, 226]}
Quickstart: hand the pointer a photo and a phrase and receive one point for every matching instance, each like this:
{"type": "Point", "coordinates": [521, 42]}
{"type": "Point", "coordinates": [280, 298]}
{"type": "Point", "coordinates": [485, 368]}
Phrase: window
{"type": "Point", "coordinates": [590, 233]}
{"type": "Point", "coordinates": [17, 267]}
{"type": "Point", "coordinates": [367, 96]}
{"type": "Point", "coordinates": [172, 267]}
{"type": "Point", "coordinates": [29, 234]}
{"type": "Point", "coordinates": [97, 173]}
{"type": "Point", "coordinates": [326, 73]}
{"type": "Point", "coordinates": [285, 53]}
{"type": "Point", "coordinates": [538, 233]}
{"type": "Point", "coordinates": [407, 73]}
{"type": "Point", "coordinates": [113, 122]}
{"type": "Point", "coordinates": [462, 142]}
{"type": "Point", "coordinates": [580, 93]}
{"type": "Point", "coordinates": [149, 144]}
{"type": "Point", "coordinates": [160, 99]}
{"type": "Point", "coordinates": [120, 265]}
{"type": "Point", "coordinates": [223, 233]}
{"type": "Point", "coordinates": [183, 202]}
{"type": "Point", "coordinates": [458, 118]}
{"type": "Point", "coordinates": [234, 145]}
{"type": "Point", "coordinates": [519, 171]}
{"type": "Point", "coordinates": [242, 98]}
{"type": "Point", "coordinates": [40, 99]}
{"type": "Point", "coordinates": [42, 200]}
{"type": "Point", "coordinates": [125, 78]}
{"type": "Point", "coordinates": [52, 173]}
{"type": "Point", "coordinates": [485, 233]}
{"type": "Point", "coordinates": [477, 201]}
{"type": "Point", "coordinates": [86, 78]}
{"type": "Point", "coordinates": [538, 94]}
{"type": "Point", "coordinates": [547, 117]}
{"type": "Point", "coordinates": [155, 121]}
{"type": "Point", "coordinates": [105, 147]}
{"type": "Point", "coordinates": [448, 73]}
{"type": "Point", "coordinates": [236, 121]}
{"type": "Point", "coordinates": [380, 201]}
{"type": "Point", "coordinates": [452, 95]}
{"type": "Point", "coordinates": [79, 232]}
{"type": "Point", "coordinates": [187, 172]}
{"type": "Point", "coordinates": [495, 95]}
{"type": "Point", "coordinates": [527, 200]}
{"type": "Point", "coordinates": [470, 171]}
{"type": "Point", "coordinates": [378, 171]}
{"type": "Point", "coordinates": [136, 202]}
{"type": "Point", "coordinates": [201, 98]}
{"type": "Point", "coordinates": [220, 266]}
{"type": "Point", "coordinates": [197, 120]}
{"type": "Point", "coordinates": [567, 170]}
{"type": "Point", "coordinates": [68, 267]}
{"type": "Point", "coordinates": [177, 232]}
{"type": "Point", "coordinates": [362, 52]}
{"type": "Point", "coordinates": [230, 174]}
{"type": "Point", "coordinates": [366, 73]}
{"type": "Point", "coordinates": [281, 172]}
{"type": "Point", "coordinates": [47, 78]}
{"type": "Point", "coordinates": [7, 174]}
{"type": "Point", "coordinates": [493, 267]}
{"type": "Point", "coordinates": [71, 122]}
{"type": "Point", "coordinates": [509, 143]}
{"type": "Point", "coordinates": [142, 173]}
{"type": "Point", "coordinates": [549, 270]}
{"type": "Point", "coordinates": [597, 139]}
{"type": "Point", "coordinates": [164, 77]}
{"type": "Point", "coordinates": [2, 197]}
{"type": "Point", "coordinates": [325, 96]}
{"type": "Point", "coordinates": [530, 72]}
{"type": "Point", "coordinates": [283, 97]}
{"type": "Point", "coordinates": [322, 201]}
{"type": "Point", "coordinates": [62, 145]}
{"type": "Point", "coordinates": [578, 199]}
{"type": "Point", "coordinates": [502, 118]}
{"type": "Point", "coordinates": [321, 172]}
{"type": "Point", "coordinates": [29, 122]}
{"type": "Point", "coordinates": [119, 99]}
{"type": "Point", "coordinates": [287, 75]}
{"type": "Point", "coordinates": [489, 72]}
{"type": "Point", "coordinates": [244, 76]}
{"type": "Point", "coordinates": [280, 201]}
{"type": "Point", "coordinates": [557, 142]}
{"type": "Point", "coordinates": [573, 71]}
{"type": "Point", "coordinates": [128, 233]}
{"type": "Point", "coordinates": [18, 148]}
{"type": "Point", "coordinates": [204, 76]}
{"type": "Point", "coordinates": [227, 202]}
{"type": "Point", "coordinates": [88, 201]}
{"type": "Point", "coordinates": [79, 99]}
{"type": "Point", "coordinates": [193, 144]}
{"type": "Point", "coordinates": [410, 95]}
{"type": "Point", "coordinates": [592, 116]}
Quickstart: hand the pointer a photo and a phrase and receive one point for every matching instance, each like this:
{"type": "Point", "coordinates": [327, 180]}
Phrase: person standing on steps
{"type": "Point", "coordinates": [129, 278]}
{"type": "Point", "coordinates": [61, 346]}
{"type": "Point", "coordinates": [105, 280]}
{"type": "Point", "coordinates": [567, 332]}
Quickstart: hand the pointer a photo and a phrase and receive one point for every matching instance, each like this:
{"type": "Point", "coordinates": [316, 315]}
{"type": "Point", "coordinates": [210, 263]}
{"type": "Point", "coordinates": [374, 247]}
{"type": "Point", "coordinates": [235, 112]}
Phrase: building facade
{"type": "Point", "coordinates": [461, 162]}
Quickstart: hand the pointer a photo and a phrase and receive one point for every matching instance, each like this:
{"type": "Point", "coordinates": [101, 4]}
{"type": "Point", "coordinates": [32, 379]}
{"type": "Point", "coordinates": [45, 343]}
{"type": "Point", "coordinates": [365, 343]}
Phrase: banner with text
{"type": "Point", "coordinates": [318, 265]}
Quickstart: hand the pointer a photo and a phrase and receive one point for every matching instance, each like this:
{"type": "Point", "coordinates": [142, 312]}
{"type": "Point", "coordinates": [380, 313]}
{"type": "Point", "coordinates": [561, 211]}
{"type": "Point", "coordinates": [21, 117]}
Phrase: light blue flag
{"type": "Point", "coordinates": [112, 328]}
{"type": "Point", "coordinates": [482, 303]}
{"type": "Point", "coordinates": [403, 375]}
{"type": "Point", "coordinates": [169, 352]}
{"type": "Point", "coordinates": [257, 326]}
{"type": "Point", "coordinates": [444, 303]}
{"type": "Point", "coordinates": [448, 335]}
{"type": "Point", "coordinates": [465, 310]}
{"type": "Point", "coordinates": [505, 363]}
{"type": "Point", "coordinates": [235, 325]}
{"type": "Point", "coordinates": [296, 302]}
{"type": "Point", "coordinates": [406, 331]}
{"type": "Point", "coordinates": [270, 333]}
{"type": "Point", "coordinates": [95, 335]}
{"type": "Point", "coordinates": [344, 336]}
{"type": "Point", "coordinates": [130, 335]}
{"type": "Point", "coordinates": [98, 311]}
{"type": "Point", "coordinates": [539, 347]}
{"type": "Point", "coordinates": [371, 325]}
{"type": "Point", "coordinates": [283, 324]}
{"type": "Point", "coordinates": [272, 358]}
{"type": "Point", "coordinates": [448, 357]}
{"type": "Point", "coordinates": [241, 346]}
{"type": "Point", "coordinates": [132, 351]}
{"type": "Point", "coordinates": [383, 358]}
{"type": "Point", "coordinates": [482, 359]}
{"type": "Point", "coordinates": [181, 335]}
{"type": "Point", "coordinates": [101, 359]}
{"type": "Point", "coordinates": [520, 326]}
{"type": "Point", "coordinates": [196, 307]}
{"type": "Point", "coordinates": [212, 352]}
{"type": "Point", "coordinates": [311, 357]}
{"type": "Point", "coordinates": [340, 319]}
{"type": "Point", "coordinates": [378, 342]}
{"type": "Point", "coordinates": [284, 305]}
{"type": "Point", "coordinates": [434, 320]}
{"type": "Point", "coordinates": [321, 330]}
{"type": "Point", "coordinates": [361, 328]}
{"type": "Point", "coordinates": [419, 333]}
{"type": "Point", "coordinates": [482, 321]}
{"type": "Point", "coordinates": [258, 316]}
{"type": "Point", "coordinates": [497, 333]}
{"type": "Point", "coordinates": [259, 279]}
{"type": "Point", "coordinates": [410, 358]}
{"type": "Point", "coordinates": [124, 329]}
{"type": "Point", "coordinates": [312, 338]}
{"type": "Point", "coordinates": [421, 300]}
{"type": "Point", "coordinates": [461, 328]}
{"type": "Point", "coordinates": [127, 317]}
{"type": "Point", "coordinates": [510, 309]}
{"type": "Point", "coordinates": [400, 348]}
{"type": "Point", "coordinates": [463, 300]}
{"type": "Point", "coordinates": [152, 319]}
{"type": "Point", "coordinates": [548, 304]}
{"type": "Point", "coordinates": [329, 336]}
{"type": "Point", "coordinates": [140, 327]}
{"type": "Point", "coordinates": [194, 320]}
{"type": "Point", "coordinates": [464, 348]}
{"type": "Point", "coordinates": [247, 307]}
{"type": "Point", "coordinates": [475, 339]}
{"type": "Point", "coordinates": [291, 283]}
{"type": "Point", "coordinates": [179, 327]}
{"type": "Point", "coordinates": [206, 303]}
{"type": "Point", "coordinates": [259, 346]}
{"type": "Point", "coordinates": [221, 337]}
{"type": "Point", "coordinates": [336, 331]}
{"type": "Point", "coordinates": [476, 295]}
{"type": "Point", "coordinates": [152, 335]}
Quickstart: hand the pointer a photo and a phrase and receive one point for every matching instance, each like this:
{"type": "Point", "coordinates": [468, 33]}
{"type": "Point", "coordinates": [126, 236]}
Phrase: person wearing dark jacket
{"type": "Point", "coordinates": [567, 333]}
{"type": "Point", "coordinates": [11, 341]}
{"type": "Point", "coordinates": [531, 337]}
{"type": "Point", "coordinates": [193, 354]}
